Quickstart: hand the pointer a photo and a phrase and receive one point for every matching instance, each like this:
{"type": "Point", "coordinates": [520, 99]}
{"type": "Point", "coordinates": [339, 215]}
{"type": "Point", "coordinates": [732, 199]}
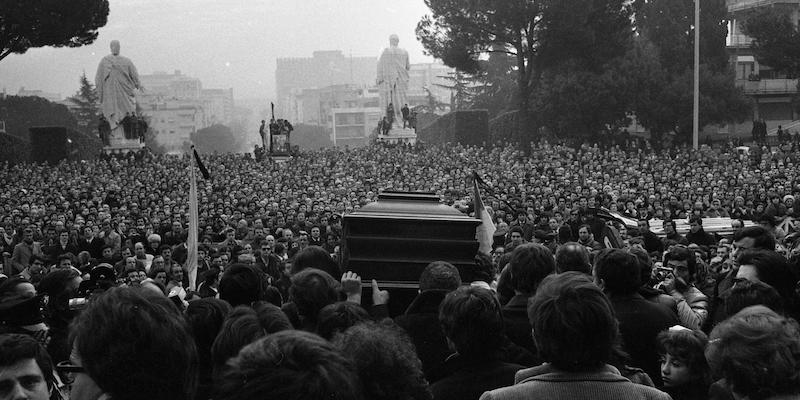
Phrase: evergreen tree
{"type": "Point", "coordinates": [26, 24]}
{"type": "Point", "coordinates": [86, 111]}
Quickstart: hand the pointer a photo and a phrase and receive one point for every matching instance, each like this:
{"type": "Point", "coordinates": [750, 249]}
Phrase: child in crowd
{"type": "Point", "coordinates": [684, 369]}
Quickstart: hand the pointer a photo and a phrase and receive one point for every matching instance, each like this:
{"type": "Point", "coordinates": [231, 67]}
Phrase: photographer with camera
{"type": "Point", "coordinates": [692, 303]}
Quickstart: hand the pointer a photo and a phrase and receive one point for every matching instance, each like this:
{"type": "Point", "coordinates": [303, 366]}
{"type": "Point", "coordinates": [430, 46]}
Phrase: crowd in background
{"type": "Point", "coordinates": [96, 290]}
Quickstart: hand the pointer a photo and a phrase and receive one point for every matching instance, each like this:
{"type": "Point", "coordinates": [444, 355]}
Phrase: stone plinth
{"type": "Point", "coordinates": [399, 135]}
{"type": "Point", "coordinates": [118, 143]}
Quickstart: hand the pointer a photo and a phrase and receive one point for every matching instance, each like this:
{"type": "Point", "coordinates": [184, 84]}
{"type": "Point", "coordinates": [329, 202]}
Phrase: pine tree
{"type": "Point", "coordinates": [86, 108]}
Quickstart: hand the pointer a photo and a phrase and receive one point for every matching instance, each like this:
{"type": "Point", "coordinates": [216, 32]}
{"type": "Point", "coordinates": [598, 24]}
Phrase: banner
{"type": "Point", "coordinates": [484, 233]}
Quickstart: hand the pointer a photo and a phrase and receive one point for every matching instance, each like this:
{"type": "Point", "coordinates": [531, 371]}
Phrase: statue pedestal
{"type": "Point", "coordinates": [119, 145]}
{"type": "Point", "coordinates": [399, 135]}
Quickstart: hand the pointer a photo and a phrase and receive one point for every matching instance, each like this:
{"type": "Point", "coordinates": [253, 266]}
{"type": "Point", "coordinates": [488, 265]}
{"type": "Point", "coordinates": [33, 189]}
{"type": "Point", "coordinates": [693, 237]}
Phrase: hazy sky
{"type": "Point", "coordinates": [225, 43]}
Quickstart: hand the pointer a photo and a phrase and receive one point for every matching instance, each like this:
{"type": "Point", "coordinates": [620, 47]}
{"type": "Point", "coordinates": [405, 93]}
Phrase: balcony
{"type": "Point", "coordinates": [743, 5]}
{"type": "Point", "coordinates": [768, 86]}
{"type": "Point", "coordinates": [739, 41]}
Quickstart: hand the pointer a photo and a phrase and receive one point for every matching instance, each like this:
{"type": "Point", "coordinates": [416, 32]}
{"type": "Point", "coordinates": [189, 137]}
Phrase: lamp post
{"type": "Point", "coordinates": [696, 105]}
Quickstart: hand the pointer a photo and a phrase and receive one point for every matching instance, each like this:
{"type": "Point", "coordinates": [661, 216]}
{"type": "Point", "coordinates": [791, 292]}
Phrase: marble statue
{"type": "Point", "coordinates": [116, 81]}
{"type": "Point", "coordinates": [393, 67]}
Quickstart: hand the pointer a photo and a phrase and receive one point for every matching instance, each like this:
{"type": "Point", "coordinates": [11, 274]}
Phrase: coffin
{"type": "Point", "coordinates": [393, 239]}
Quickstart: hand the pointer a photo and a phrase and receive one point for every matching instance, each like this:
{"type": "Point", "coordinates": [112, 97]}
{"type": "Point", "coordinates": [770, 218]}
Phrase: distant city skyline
{"type": "Point", "coordinates": [221, 42]}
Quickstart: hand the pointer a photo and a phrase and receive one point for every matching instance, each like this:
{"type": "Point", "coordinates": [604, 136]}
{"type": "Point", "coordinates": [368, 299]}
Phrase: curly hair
{"type": "Point", "coordinates": [386, 361]}
{"type": "Point", "coordinates": [758, 352]}
{"type": "Point", "coordinates": [291, 365]}
{"type": "Point", "coordinates": [338, 317]}
{"type": "Point", "coordinates": [688, 346]}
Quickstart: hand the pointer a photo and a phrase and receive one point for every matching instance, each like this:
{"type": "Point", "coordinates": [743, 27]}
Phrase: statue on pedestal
{"type": "Point", "coordinates": [116, 80]}
{"type": "Point", "coordinates": [393, 67]}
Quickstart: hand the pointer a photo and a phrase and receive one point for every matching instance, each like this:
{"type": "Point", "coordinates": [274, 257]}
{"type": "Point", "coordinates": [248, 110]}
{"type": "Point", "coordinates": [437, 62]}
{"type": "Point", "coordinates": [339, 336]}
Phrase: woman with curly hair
{"type": "Point", "coordinates": [385, 360]}
{"type": "Point", "coordinates": [684, 370]}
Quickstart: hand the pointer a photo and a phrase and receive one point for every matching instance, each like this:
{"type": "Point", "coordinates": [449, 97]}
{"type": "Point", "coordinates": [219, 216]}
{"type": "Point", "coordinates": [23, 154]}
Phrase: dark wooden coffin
{"type": "Point", "coordinates": [393, 239]}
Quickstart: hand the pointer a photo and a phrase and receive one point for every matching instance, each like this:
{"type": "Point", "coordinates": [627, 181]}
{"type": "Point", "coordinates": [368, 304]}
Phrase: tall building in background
{"type": "Point", "coordinates": [771, 92]}
{"type": "Point", "coordinates": [339, 93]}
{"type": "Point", "coordinates": [218, 106]}
{"type": "Point", "coordinates": [324, 68]}
{"type": "Point", "coordinates": [179, 106]}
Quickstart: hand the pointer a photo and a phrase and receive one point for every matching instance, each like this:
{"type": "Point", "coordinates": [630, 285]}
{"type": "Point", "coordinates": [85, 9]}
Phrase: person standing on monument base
{"type": "Point", "coordinates": [405, 112]}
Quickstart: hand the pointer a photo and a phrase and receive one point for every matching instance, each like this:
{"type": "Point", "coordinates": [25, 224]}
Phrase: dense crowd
{"type": "Point", "coordinates": [96, 298]}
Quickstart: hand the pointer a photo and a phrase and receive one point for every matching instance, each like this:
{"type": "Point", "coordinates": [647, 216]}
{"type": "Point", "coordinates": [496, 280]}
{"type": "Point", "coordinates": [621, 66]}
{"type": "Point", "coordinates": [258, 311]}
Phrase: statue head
{"type": "Point", "coordinates": [394, 40]}
{"type": "Point", "coordinates": [115, 47]}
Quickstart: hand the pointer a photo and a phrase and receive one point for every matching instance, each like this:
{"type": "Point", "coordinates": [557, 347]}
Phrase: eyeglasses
{"type": "Point", "coordinates": [68, 371]}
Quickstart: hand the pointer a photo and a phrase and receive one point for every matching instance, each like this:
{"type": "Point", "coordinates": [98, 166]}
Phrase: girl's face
{"type": "Point", "coordinates": [674, 372]}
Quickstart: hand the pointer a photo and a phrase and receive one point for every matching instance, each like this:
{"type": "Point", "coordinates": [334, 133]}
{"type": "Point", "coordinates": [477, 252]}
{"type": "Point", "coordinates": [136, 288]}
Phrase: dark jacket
{"type": "Point", "coordinates": [701, 238]}
{"type": "Point", "coordinates": [421, 322]}
{"type": "Point", "coordinates": [471, 377]}
{"type": "Point", "coordinates": [518, 327]}
{"type": "Point", "coordinates": [640, 321]}
{"type": "Point", "coordinates": [651, 242]}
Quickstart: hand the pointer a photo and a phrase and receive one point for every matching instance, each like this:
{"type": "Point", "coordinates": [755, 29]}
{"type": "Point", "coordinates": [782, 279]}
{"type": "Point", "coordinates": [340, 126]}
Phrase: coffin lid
{"type": "Point", "coordinates": [412, 205]}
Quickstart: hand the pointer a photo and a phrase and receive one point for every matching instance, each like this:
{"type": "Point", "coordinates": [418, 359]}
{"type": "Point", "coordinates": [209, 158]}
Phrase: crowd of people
{"type": "Point", "coordinates": [97, 299]}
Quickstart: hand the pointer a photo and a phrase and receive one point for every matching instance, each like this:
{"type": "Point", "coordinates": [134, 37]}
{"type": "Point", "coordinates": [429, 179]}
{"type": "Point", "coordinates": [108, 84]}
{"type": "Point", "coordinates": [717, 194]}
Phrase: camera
{"type": "Point", "coordinates": [661, 273]}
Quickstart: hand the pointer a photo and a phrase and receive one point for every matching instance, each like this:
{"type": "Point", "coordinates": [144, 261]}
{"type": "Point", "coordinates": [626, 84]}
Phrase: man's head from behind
{"type": "Point", "coordinates": [135, 344]}
{"type": "Point", "coordinates": [573, 322]}
{"type": "Point", "coordinates": [290, 365]}
{"type": "Point", "coordinates": [530, 263]}
{"type": "Point", "coordinates": [572, 257]}
{"type": "Point", "coordinates": [439, 275]}
{"type": "Point", "coordinates": [471, 320]}
{"type": "Point", "coordinates": [617, 271]}
{"type": "Point", "coordinates": [25, 368]}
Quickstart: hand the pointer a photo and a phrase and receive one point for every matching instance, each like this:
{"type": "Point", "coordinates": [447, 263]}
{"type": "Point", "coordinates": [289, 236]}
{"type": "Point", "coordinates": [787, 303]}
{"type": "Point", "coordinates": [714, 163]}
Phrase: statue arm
{"type": "Point", "coordinates": [135, 77]}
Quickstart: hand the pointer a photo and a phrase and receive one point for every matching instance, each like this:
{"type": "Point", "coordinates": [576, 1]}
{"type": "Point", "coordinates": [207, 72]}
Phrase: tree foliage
{"type": "Point", "coordinates": [26, 24]}
{"type": "Point", "coordinates": [540, 36]}
{"type": "Point", "coordinates": [660, 66]}
{"type": "Point", "coordinates": [776, 40]}
{"type": "Point", "coordinates": [217, 138]}
{"type": "Point", "coordinates": [24, 112]}
{"type": "Point", "coordinates": [86, 109]}
{"type": "Point", "coordinates": [494, 87]}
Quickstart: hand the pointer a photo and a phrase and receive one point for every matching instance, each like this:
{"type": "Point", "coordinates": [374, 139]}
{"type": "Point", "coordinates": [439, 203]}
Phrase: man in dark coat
{"type": "Point", "coordinates": [421, 319]}
{"type": "Point", "coordinates": [640, 320]}
{"type": "Point", "coordinates": [471, 320]}
{"type": "Point", "coordinates": [698, 235]}
{"type": "Point", "coordinates": [530, 263]}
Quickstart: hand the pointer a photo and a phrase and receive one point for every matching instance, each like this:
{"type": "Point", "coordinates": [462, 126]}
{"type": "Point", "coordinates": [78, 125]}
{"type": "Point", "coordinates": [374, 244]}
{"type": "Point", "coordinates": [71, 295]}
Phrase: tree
{"type": "Point", "coordinates": [26, 24]}
{"type": "Point", "coordinates": [24, 112]}
{"type": "Point", "coordinates": [495, 87]}
{"type": "Point", "coordinates": [459, 87]}
{"type": "Point", "coordinates": [86, 109]}
{"type": "Point", "coordinates": [776, 40]}
{"type": "Point", "coordinates": [538, 34]}
{"type": "Point", "coordinates": [661, 65]}
{"type": "Point", "coordinates": [217, 138]}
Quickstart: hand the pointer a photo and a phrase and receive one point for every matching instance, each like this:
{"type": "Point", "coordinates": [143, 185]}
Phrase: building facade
{"type": "Point", "coordinates": [177, 106]}
{"type": "Point", "coordinates": [772, 92]}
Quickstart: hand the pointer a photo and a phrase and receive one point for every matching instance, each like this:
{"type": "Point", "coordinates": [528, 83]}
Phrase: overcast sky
{"type": "Point", "coordinates": [225, 43]}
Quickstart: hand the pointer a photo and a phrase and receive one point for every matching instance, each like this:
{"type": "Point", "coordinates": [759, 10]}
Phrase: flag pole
{"type": "Point", "coordinates": [191, 242]}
